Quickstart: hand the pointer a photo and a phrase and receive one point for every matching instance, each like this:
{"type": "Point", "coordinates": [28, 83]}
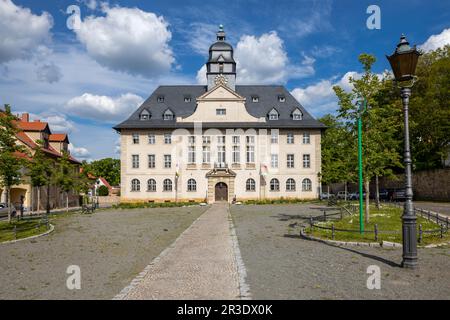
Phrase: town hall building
{"type": "Point", "coordinates": [220, 142]}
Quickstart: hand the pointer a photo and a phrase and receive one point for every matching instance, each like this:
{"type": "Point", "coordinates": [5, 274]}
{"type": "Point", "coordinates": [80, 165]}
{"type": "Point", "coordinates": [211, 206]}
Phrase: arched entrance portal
{"type": "Point", "coordinates": [221, 192]}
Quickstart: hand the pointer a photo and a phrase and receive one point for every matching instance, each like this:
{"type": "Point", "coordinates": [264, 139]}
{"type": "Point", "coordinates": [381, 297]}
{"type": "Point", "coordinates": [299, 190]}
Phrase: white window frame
{"type": "Point", "coordinates": [135, 161]}
{"type": "Point", "coordinates": [206, 158]}
{"type": "Point", "coordinates": [167, 138]}
{"type": "Point", "coordinates": [306, 185]}
{"type": "Point", "coordinates": [167, 185]}
{"type": "Point", "coordinates": [306, 161]}
{"type": "Point", "coordinates": [290, 161]}
{"type": "Point", "coordinates": [290, 139]}
{"type": "Point", "coordinates": [290, 184]}
{"type": "Point", "coordinates": [191, 185]}
{"type": "Point", "coordinates": [151, 185]}
{"type": "Point", "coordinates": [306, 138]}
{"type": "Point", "coordinates": [135, 138]}
{"type": "Point", "coordinates": [191, 154]}
{"type": "Point", "coordinates": [236, 154]}
{"type": "Point", "coordinates": [274, 185]}
{"type": "Point", "coordinates": [135, 185]}
{"type": "Point", "coordinates": [151, 139]}
{"type": "Point", "coordinates": [274, 160]}
{"type": "Point", "coordinates": [167, 161]}
{"type": "Point", "coordinates": [274, 137]}
{"type": "Point", "coordinates": [221, 112]}
{"type": "Point", "coordinates": [250, 185]}
{"type": "Point", "coordinates": [151, 161]}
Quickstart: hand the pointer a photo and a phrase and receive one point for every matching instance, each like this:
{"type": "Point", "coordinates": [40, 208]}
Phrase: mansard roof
{"type": "Point", "coordinates": [174, 99]}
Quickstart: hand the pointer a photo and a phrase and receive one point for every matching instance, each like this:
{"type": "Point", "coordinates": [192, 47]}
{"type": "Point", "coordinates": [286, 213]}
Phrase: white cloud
{"type": "Point", "coordinates": [129, 40]}
{"type": "Point", "coordinates": [103, 108]}
{"type": "Point", "coordinates": [91, 4]}
{"type": "Point", "coordinates": [21, 31]}
{"type": "Point", "coordinates": [263, 60]}
{"type": "Point", "coordinates": [79, 152]}
{"type": "Point", "coordinates": [200, 35]}
{"type": "Point", "coordinates": [320, 98]}
{"type": "Point", "coordinates": [436, 41]}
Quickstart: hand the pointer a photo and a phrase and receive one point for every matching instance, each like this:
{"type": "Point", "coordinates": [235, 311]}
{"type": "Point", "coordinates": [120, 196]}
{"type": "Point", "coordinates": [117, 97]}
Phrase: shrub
{"type": "Point", "coordinates": [103, 191]}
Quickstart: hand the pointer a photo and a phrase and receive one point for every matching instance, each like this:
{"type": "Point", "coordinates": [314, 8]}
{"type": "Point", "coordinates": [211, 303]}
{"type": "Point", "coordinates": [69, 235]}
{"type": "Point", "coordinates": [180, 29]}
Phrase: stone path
{"type": "Point", "coordinates": [200, 264]}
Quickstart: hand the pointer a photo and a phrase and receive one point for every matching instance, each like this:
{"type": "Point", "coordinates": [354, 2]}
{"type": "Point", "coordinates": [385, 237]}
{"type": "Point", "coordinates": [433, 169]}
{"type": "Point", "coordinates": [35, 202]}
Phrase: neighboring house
{"type": "Point", "coordinates": [102, 182]}
{"type": "Point", "coordinates": [220, 142]}
{"type": "Point", "coordinates": [53, 146]}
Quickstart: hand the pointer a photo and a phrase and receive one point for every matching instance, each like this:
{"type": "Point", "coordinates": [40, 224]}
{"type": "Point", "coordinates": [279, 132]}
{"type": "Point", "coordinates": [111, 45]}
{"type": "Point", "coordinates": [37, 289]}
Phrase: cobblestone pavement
{"type": "Point", "coordinates": [280, 267]}
{"type": "Point", "coordinates": [200, 265]}
{"type": "Point", "coordinates": [110, 247]}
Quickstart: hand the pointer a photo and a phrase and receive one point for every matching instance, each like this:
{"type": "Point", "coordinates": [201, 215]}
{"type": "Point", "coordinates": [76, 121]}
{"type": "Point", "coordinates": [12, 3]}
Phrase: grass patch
{"type": "Point", "coordinates": [141, 205]}
{"type": "Point", "coordinates": [24, 229]}
{"type": "Point", "coordinates": [386, 218]}
{"type": "Point", "coordinates": [279, 201]}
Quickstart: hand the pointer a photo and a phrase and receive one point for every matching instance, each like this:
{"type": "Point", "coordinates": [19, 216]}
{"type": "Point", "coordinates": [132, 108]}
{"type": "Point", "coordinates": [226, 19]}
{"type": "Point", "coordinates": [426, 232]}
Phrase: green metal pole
{"type": "Point", "coordinates": [360, 167]}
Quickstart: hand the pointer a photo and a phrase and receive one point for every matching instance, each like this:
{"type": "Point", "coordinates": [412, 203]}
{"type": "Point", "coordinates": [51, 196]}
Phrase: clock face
{"type": "Point", "coordinates": [221, 80]}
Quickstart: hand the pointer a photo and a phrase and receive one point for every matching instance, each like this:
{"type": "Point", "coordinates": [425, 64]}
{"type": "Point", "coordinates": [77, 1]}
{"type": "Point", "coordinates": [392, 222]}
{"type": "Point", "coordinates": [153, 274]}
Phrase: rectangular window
{"type": "Point", "coordinates": [274, 160]}
{"type": "Point", "coordinates": [151, 139]}
{"type": "Point", "coordinates": [151, 161]}
{"type": "Point", "coordinates": [250, 154]}
{"type": "Point", "coordinates": [191, 154]}
{"type": "Point", "coordinates": [191, 139]}
{"type": "Point", "coordinates": [290, 138]}
{"type": "Point", "coordinates": [236, 139]}
{"type": "Point", "coordinates": [221, 139]}
{"type": "Point", "coordinates": [206, 154]}
{"type": "Point", "coordinates": [221, 154]}
{"type": "Point", "coordinates": [167, 161]}
{"type": "Point", "coordinates": [274, 137]}
{"type": "Point", "coordinates": [161, 99]}
{"type": "Point", "coordinates": [306, 138]}
{"type": "Point", "coordinates": [221, 112]}
{"type": "Point", "coordinates": [167, 138]}
{"type": "Point", "coordinates": [187, 99]}
{"type": "Point", "coordinates": [306, 161]}
{"type": "Point", "coordinates": [135, 138]}
{"type": "Point", "coordinates": [135, 161]}
{"type": "Point", "coordinates": [290, 161]}
{"type": "Point", "coordinates": [236, 154]}
{"type": "Point", "coordinates": [206, 139]}
{"type": "Point", "coordinates": [250, 139]}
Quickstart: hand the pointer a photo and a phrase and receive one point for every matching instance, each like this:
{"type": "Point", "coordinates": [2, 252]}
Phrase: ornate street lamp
{"type": "Point", "coordinates": [403, 63]}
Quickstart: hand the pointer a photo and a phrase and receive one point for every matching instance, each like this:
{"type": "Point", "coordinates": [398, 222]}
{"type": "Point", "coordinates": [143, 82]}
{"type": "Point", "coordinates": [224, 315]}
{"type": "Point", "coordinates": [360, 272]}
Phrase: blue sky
{"type": "Point", "coordinates": [84, 81]}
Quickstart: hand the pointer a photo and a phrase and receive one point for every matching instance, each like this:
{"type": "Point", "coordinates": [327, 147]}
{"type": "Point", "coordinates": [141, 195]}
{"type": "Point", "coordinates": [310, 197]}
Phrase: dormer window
{"type": "Point", "coordinates": [281, 99]}
{"type": "Point", "coordinates": [187, 99]}
{"type": "Point", "coordinates": [297, 114]}
{"type": "Point", "coordinates": [168, 115]}
{"type": "Point", "coordinates": [255, 99]}
{"type": "Point", "coordinates": [273, 114]}
{"type": "Point", "coordinates": [160, 99]}
{"type": "Point", "coordinates": [145, 115]}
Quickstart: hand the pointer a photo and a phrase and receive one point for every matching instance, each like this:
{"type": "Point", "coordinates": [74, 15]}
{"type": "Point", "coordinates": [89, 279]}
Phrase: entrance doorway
{"type": "Point", "coordinates": [221, 192]}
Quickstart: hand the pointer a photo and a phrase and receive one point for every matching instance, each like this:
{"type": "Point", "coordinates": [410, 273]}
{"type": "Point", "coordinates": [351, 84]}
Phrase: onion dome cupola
{"type": "Point", "coordinates": [221, 67]}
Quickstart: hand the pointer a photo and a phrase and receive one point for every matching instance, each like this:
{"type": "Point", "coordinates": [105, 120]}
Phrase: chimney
{"type": "Point", "coordinates": [37, 120]}
{"type": "Point", "coordinates": [25, 117]}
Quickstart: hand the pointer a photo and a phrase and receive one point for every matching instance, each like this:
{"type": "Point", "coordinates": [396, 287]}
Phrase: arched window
{"type": "Point", "coordinates": [135, 185]}
{"type": "Point", "coordinates": [191, 185]}
{"type": "Point", "coordinates": [250, 185]}
{"type": "Point", "coordinates": [167, 185]}
{"type": "Point", "coordinates": [290, 184]}
{"type": "Point", "coordinates": [273, 114]}
{"type": "Point", "coordinates": [151, 185]}
{"type": "Point", "coordinates": [168, 115]}
{"type": "Point", "coordinates": [297, 114]}
{"type": "Point", "coordinates": [274, 185]}
{"type": "Point", "coordinates": [306, 185]}
{"type": "Point", "coordinates": [145, 115]}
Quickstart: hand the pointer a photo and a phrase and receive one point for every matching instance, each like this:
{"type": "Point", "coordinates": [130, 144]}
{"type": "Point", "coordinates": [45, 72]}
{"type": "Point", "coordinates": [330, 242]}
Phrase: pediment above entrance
{"type": "Point", "coordinates": [221, 173]}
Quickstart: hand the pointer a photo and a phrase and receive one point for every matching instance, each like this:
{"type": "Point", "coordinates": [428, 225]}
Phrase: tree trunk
{"type": "Point", "coordinates": [366, 189]}
{"type": "Point", "coordinates": [377, 193]}
{"type": "Point", "coordinates": [8, 202]}
{"type": "Point", "coordinates": [328, 189]}
{"type": "Point", "coordinates": [345, 190]}
{"type": "Point", "coordinates": [38, 198]}
{"type": "Point", "coordinates": [67, 201]}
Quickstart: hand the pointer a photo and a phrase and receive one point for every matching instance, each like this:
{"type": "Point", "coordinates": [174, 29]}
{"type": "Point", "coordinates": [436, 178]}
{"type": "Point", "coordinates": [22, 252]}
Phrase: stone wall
{"type": "Point", "coordinates": [427, 185]}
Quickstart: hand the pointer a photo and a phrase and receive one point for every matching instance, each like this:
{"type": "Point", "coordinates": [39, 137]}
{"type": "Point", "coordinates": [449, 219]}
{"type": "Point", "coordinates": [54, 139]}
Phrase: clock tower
{"type": "Point", "coordinates": [221, 67]}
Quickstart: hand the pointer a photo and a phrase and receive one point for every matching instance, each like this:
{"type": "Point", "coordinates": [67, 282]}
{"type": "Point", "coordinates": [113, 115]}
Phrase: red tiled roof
{"type": "Point", "coordinates": [58, 137]}
{"type": "Point", "coordinates": [32, 126]}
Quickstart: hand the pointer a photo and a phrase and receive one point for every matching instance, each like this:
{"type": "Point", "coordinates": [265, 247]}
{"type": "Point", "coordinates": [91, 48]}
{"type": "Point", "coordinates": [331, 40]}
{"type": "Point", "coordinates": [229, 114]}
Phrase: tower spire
{"type": "Point", "coordinates": [221, 33]}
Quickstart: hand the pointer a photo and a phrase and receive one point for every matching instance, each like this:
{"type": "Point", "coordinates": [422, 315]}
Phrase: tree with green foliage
{"type": "Point", "coordinates": [10, 164]}
{"type": "Point", "coordinates": [40, 170]}
{"type": "Point", "coordinates": [380, 125]}
{"type": "Point", "coordinates": [66, 176]}
{"type": "Point", "coordinates": [107, 168]}
{"type": "Point", "coordinates": [337, 160]}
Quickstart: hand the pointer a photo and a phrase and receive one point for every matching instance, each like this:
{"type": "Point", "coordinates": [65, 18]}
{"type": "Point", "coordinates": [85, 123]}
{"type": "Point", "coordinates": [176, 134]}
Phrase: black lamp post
{"type": "Point", "coordinates": [403, 63]}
